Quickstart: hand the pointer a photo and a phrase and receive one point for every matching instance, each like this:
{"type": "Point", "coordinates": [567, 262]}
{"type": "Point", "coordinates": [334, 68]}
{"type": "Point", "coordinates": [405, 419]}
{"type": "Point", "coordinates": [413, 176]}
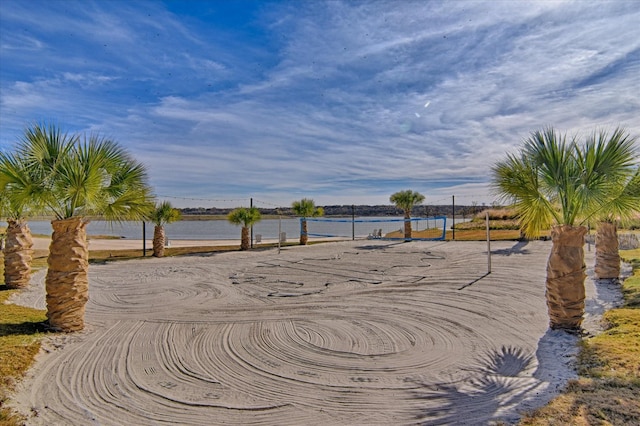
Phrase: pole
{"type": "Point", "coordinates": [251, 206]}
{"type": "Point", "coordinates": [353, 222]}
{"type": "Point", "coordinates": [279, 229]}
{"type": "Point", "coordinates": [453, 219]}
{"type": "Point", "coordinates": [488, 246]}
{"type": "Point", "coordinates": [144, 239]}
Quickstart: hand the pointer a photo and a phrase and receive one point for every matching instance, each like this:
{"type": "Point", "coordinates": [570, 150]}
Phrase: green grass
{"type": "Point", "coordinates": [608, 389]}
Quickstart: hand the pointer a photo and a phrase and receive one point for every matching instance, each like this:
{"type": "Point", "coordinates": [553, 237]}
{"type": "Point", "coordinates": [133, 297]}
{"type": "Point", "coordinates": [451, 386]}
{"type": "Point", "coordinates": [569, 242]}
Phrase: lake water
{"type": "Point", "coordinates": [223, 230]}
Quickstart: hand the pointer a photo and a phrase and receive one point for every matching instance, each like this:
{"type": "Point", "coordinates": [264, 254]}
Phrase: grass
{"type": "Point", "coordinates": [477, 234]}
{"type": "Point", "coordinates": [20, 332]}
{"type": "Point", "coordinates": [607, 391]}
{"type": "Point", "coordinates": [21, 329]}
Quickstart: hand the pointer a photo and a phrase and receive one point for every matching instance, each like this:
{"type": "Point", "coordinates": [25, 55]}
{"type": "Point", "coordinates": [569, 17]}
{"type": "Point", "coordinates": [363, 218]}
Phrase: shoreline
{"type": "Point", "coordinates": [42, 243]}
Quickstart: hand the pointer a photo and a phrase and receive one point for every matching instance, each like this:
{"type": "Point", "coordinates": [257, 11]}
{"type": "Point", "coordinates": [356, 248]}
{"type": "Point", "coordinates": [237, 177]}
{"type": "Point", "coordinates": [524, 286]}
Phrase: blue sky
{"type": "Point", "coordinates": [342, 102]}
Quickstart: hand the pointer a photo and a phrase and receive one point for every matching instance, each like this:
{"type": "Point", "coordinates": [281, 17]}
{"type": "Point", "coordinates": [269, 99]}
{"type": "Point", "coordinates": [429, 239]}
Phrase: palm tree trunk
{"type": "Point", "coordinates": [67, 281]}
{"type": "Point", "coordinates": [158, 241]}
{"type": "Point", "coordinates": [304, 238]}
{"type": "Point", "coordinates": [607, 254]}
{"type": "Point", "coordinates": [565, 277]}
{"type": "Point", "coordinates": [407, 225]}
{"type": "Point", "coordinates": [244, 242]}
{"type": "Point", "coordinates": [18, 254]}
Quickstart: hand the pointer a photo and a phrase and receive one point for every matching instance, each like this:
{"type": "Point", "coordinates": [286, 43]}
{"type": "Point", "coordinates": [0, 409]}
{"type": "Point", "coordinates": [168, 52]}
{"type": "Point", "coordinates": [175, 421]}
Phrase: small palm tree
{"type": "Point", "coordinates": [78, 178]}
{"type": "Point", "coordinates": [305, 208]}
{"type": "Point", "coordinates": [559, 184]}
{"type": "Point", "coordinates": [15, 202]}
{"type": "Point", "coordinates": [161, 215]}
{"type": "Point", "coordinates": [246, 217]}
{"type": "Point", "coordinates": [624, 203]}
{"type": "Point", "coordinates": [18, 252]}
{"type": "Point", "coordinates": [405, 200]}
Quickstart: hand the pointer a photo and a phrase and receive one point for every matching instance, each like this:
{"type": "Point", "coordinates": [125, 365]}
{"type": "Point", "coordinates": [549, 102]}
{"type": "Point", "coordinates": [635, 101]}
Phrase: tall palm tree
{"type": "Point", "coordinates": [246, 217]}
{"type": "Point", "coordinates": [560, 184]}
{"type": "Point", "coordinates": [306, 208]}
{"type": "Point", "coordinates": [161, 215]}
{"type": "Point", "coordinates": [78, 178]}
{"type": "Point", "coordinates": [405, 200]}
{"type": "Point", "coordinates": [15, 201]}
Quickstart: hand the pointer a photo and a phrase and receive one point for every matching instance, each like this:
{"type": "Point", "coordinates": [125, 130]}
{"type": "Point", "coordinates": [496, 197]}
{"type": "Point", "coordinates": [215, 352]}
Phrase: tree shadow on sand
{"type": "Point", "coordinates": [23, 328]}
{"type": "Point", "coordinates": [518, 248]}
{"type": "Point", "coordinates": [495, 385]}
{"type": "Point", "coordinates": [8, 328]}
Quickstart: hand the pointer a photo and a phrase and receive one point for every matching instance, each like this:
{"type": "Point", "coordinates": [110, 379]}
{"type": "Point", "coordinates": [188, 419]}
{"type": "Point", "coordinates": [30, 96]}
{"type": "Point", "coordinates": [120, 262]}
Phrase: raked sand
{"type": "Point", "coordinates": [348, 333]}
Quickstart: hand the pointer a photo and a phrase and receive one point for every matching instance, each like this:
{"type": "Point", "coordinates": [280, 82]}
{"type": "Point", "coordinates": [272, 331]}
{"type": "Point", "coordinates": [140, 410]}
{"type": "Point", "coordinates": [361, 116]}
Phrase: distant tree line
{"type": "Point", "coordinates": [348, 210]}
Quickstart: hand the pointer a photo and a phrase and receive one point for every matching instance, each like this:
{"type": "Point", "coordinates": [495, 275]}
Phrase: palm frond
{"type": "Point", "coordinates": [75, 177]}
{"type": "Point", "coordinates": [244, 216]}
{"type": "Point", "coordinates": [517, 181]}
{"type": "Point", "coordinates": [560, 179]}
{"type": "Point", "coordinates": [405, 200]}
{"type": "Point", "coordinates": [164, 213]}
{"type": "Point", "coordinates": [306, 207]}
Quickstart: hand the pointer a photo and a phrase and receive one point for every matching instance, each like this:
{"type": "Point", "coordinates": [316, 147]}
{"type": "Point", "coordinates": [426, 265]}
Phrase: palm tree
{"type": "Point", "coordinates": [405, 200]}
{"type": "Point", "coordinates": [305, 208]}
{"type": "Point", "coordinates": [246, 217]}
{"type": "Point", "coordinates": [18, 251]}
{"type": "Point", "coordinates": [15, 181]}
{"type": "Point", "coordinates": [559, 184]}
{"type": "Point", "coordinates": [622, 206]}
{"type": "Point", "coordinates": [78, 178]}
{"type": "Point", "coordinates": [161, 215]}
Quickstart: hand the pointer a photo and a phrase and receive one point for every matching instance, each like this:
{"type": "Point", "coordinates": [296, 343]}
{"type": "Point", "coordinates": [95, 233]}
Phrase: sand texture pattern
{"type": "Point", "coordinates": [352, 333]}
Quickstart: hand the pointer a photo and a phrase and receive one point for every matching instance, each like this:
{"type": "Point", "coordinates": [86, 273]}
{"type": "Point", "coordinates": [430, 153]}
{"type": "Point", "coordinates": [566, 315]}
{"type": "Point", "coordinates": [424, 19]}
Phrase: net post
{"type": "Point", "coordinates": [279, 229]}
{"type": "Point", "coordinates": [144, 239]}
{"type": "Point", "coordinates": [488, 245]}
{"type": "Point", "coordinates": [353, 222]}
{"type": "Point", "coordinates": [453, 217]}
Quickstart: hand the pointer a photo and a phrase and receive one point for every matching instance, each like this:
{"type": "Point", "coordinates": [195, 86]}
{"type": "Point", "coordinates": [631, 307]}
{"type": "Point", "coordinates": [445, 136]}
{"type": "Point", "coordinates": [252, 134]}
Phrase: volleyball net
{"type": "Point", "coordinates": [422, 228]}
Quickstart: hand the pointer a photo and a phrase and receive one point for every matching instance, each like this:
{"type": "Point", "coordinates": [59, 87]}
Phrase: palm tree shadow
{"type": "Point", "coordinates": [496, 384]}
{"type": "Point", "coordinates": [23, 328]}
{"type": "Point", "coordinates": [518, 248]}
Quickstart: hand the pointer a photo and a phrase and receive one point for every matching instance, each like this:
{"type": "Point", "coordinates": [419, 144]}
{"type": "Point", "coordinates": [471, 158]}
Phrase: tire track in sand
{"type": "Point", "coordinates": [334, 334]}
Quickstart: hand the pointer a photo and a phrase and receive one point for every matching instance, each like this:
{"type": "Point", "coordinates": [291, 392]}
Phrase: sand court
{"type": "Point", "coordinates": [348, 333]}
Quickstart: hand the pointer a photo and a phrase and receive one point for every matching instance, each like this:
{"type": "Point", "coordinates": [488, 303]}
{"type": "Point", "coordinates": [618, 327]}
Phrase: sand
{"type": "Point", "coordinates": [41, 243]}
{"type": "Point", "coordinates": [349, 333]}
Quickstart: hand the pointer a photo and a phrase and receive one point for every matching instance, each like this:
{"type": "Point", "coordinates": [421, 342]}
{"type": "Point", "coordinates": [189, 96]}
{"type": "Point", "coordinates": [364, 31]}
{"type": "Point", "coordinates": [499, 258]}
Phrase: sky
{"type": "Point", "coordinates": [344, 102]}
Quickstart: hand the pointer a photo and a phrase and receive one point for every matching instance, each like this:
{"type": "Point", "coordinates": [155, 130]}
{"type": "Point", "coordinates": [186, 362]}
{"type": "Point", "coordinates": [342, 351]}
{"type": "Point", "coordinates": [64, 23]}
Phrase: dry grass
{"type": "Point", "coordinates": [461, 235]}
{"type": "Point", "coordinates": [20, 332]}
{"type": "Point", "coordinates": [608, 390]}
{"type": "Point", "coordinates": [496, 214]}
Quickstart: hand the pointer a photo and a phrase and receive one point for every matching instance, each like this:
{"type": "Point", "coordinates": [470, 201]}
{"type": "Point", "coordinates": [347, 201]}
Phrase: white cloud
{"type": "Point", "coordinates": [349, 99]}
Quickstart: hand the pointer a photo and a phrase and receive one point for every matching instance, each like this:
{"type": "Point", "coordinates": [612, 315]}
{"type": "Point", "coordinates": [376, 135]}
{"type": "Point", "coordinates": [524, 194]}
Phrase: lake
{"type": "Point", "coordinates": [223, 230]}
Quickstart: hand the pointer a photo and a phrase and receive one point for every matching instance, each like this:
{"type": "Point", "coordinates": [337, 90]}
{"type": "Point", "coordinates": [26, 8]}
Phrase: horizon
{"type": "Point", "coordinates": [338, 101]}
